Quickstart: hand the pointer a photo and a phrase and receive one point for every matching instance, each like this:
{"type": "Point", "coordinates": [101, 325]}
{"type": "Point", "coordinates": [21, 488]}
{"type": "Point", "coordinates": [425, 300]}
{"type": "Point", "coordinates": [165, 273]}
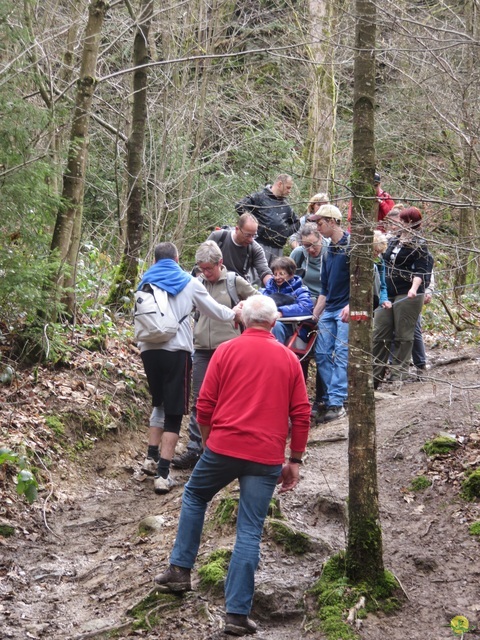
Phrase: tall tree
{"type": "Point", "coordinates": [364, 558]}
{"type": "Point", "coordinates": [323, 100]}
{"type": "Point", "coordinates": [127, 274]}
{"type": "Point", "coordinates": [66, 235]}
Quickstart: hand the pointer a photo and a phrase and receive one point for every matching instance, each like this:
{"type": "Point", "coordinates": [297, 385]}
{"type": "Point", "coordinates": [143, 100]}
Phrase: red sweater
{"type": "Point", "coordinates": [252, 386]}
{"type": "Point", "coordinates": [385, 203]}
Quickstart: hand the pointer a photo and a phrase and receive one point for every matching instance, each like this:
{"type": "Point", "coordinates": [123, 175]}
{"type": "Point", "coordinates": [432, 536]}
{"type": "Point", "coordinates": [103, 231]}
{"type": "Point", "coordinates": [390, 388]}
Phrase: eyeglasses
{"type": "Point", "coordinates": [248, 235]}
{"type": "Point", "coordinates": [207, 269]}
{"type": "Point", "coordinates": [309, 245]}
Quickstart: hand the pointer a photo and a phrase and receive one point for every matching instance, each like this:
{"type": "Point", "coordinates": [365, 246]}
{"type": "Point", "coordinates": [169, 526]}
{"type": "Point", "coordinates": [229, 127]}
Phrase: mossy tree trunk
{"type": "Point", "coordinates": [364, 559]}
{"type": "Point", "coordinates": [66, 235]}
{"type": "Point", "coordinates": [128, 271]}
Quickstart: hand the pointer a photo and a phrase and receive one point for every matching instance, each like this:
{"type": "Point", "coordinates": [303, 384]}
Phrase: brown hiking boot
{"type": "Point", "coordinates": [174, 579]}
{"type": "Point", "coordinates": [238, 625]}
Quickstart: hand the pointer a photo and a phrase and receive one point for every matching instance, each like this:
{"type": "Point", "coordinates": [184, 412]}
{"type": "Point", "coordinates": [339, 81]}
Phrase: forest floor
{"type": "Point", "coordinates": [79, 561]}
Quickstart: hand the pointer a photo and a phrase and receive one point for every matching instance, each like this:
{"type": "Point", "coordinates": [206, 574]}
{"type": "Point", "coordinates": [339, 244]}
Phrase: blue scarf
{"type": "Point", "coordinates": [168, 275]}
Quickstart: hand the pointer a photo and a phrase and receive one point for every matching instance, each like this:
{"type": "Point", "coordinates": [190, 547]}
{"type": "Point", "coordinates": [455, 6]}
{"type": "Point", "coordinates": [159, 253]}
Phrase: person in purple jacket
{"type": "Point", "coordinates": [289, 294]}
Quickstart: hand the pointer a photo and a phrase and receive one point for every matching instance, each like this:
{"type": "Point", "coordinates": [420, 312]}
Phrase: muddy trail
{"type": "Point", "coordinates": [84, 556]}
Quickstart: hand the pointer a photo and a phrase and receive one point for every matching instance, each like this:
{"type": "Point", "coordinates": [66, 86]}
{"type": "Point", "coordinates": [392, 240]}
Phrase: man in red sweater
{"type": "Point", "coordinates": [252, 387]}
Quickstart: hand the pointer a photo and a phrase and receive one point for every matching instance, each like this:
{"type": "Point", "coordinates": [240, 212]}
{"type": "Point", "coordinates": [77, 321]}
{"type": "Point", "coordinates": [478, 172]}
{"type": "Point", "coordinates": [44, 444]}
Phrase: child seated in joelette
{"type": "Point", "coordinates": [289, 294]}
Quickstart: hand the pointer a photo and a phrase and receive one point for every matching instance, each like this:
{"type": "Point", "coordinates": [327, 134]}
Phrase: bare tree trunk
{"type": "Point", "coordinates": [364, 559]}
{"type": "Point", "coordinates": [324, 96]}
{"type": "Point", "coordinates": [127, 274]}
{"type": "Point", "coordinates": [70, 213]}
{"type": "Point", "coordinates": [466, 221]}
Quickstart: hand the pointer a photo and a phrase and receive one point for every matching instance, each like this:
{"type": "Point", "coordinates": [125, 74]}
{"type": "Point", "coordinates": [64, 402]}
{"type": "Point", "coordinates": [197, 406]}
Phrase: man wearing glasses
{"type": "Point", "coordinates": [333, 312]}
{"type": "Point", "coordinates": [241, 253]}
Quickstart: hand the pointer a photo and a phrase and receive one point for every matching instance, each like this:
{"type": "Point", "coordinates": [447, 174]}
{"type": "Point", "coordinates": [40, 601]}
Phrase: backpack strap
{"type": "Point", "coordinates": [221, 240]}
{"type": "Point", "coordinates": [151, 289]}
{"type": "Point", "coordinates": [232, 287]}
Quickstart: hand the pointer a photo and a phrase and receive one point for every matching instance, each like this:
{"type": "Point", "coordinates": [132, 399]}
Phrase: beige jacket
{"type": "Point", "coordinates": [209, 333]}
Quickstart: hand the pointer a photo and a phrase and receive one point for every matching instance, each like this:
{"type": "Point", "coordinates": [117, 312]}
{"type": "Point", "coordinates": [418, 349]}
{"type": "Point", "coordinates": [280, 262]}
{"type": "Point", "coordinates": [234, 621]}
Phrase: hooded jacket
{"type": "Point", "coordinates": [276, 218]}
{"type": "Point", "coordinates": [302, 305]}
{"type": "Point", "coordinates": [185, 292]}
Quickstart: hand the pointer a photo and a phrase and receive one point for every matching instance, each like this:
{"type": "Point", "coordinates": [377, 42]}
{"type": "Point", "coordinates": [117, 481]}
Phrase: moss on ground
{"type": "Point", "coordinates": [420, 483]}
{"type": "Point", "coordinates": [294, 542]}
{"type": "Point", "coordinates": [226, 512]}
{"type": "Point", "coordinates": [336, 596]}
{"type": "Point", "coordinates": [147, 612]}
{"type": "Point", "coordinates": [214, 571]}
{"type": "Point", "coordinates": [471, 487]}
{"type": "Point", "coordinates": [6, 530]}
{"type": "Point", "coordinates": [474, 529]}
{"type": "Point", "coordinates": [440, 445]}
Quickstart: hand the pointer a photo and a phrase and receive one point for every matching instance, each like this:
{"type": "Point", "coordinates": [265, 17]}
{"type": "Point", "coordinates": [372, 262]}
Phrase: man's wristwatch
{"type": "Point", "coordinates": [295, 460]}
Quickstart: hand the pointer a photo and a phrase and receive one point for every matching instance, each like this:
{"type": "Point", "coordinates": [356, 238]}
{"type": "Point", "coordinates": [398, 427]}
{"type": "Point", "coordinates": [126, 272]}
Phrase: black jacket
{"type": "Point", "coordinates": [276, 218]}
{"type": "Point", "coordinates": [402, 263]}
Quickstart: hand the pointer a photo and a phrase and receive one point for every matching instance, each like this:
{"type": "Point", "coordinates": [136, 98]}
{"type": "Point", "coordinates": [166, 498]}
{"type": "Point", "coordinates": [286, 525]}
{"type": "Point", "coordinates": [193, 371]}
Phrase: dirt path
{"type": "Point", "coordinates": [83, 573]}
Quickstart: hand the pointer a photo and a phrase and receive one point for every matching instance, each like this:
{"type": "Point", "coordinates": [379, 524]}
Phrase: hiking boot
{"type": "Point", "coordinates": [174, 579]}
{"type": "Point", "coordinates": [186, 460]}
{"type": "Point", "coordinates": [334, 413]}
{"type": "Point", "coordinates": [238, 625]}
{"type": "Point", "coordinates": [149, 467]}
{"type": "Point", "coordinates": [320, 415]}
{"type": "Point", "coordinates": [317, 407]}
{"type": "Point", "coordinates": [163, 485]}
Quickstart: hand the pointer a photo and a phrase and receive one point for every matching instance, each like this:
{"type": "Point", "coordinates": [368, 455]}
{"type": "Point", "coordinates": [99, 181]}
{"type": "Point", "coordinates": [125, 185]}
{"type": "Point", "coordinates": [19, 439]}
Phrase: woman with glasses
{"type": "Point", "coordinates": [309, 257]}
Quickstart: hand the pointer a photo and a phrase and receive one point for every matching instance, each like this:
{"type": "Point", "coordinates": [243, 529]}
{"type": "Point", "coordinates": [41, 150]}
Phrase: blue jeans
{"type": "Point", "coordinates": [282, 331]}
{"type": "Point", "coordinates": [257, 484]}
{"type": "Point", "coordinates": [331, 356]}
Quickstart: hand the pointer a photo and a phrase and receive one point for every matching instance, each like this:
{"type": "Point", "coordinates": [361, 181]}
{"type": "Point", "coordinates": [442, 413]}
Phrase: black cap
{"type": "Point", "coordinates": [376, 177]}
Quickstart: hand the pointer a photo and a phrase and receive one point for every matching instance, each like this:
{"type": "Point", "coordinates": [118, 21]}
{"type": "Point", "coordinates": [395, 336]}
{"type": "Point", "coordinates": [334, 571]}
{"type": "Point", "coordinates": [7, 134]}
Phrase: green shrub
{"type": "Point", "coordinates": [26, 483]}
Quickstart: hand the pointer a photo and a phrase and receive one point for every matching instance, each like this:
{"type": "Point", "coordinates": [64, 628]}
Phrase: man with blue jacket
{"type": "Point", "coordinates": [168, 364]}
{"type": "Point", "coordinates": [333, 311]}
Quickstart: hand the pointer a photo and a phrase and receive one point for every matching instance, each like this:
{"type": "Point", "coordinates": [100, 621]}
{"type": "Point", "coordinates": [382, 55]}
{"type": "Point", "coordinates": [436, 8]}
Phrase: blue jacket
{"type": "Point", "coordinates": [336, 275]}
{"type": "Point", "coordinates": [302, 306]}
{"type": "Point", "coordinates": [380, 285]}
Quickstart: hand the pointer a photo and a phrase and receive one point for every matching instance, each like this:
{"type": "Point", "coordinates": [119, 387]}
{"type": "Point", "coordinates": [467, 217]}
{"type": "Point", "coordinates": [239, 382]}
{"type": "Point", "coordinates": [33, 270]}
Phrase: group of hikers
{"type": "Point", "coordinates": [249, 389]}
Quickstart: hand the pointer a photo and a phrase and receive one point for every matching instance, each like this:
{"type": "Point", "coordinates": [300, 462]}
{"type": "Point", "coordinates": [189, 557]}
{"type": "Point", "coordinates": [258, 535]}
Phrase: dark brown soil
{"type": "Point", "coordinates": [78, 561]}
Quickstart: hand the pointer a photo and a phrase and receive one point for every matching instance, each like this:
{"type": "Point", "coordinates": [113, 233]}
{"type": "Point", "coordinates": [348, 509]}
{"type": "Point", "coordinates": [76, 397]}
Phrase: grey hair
{"type": "Point", "coordinates": [259, 310]}
{"type": "Point", "coordinates": [309, 229]}
{"type": "Point", "coordinates": [283, 177]}
{"type": "Point", "coordinates": [208, 251]}
{"type": "Point", "coordinates": [166, 250]}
